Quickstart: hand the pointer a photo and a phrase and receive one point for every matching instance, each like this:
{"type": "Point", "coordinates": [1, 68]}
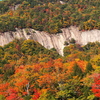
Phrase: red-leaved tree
{"type": "Point", "coordinates": [36, 94]}
{"type": "Point", "coordinates": [96, 86]}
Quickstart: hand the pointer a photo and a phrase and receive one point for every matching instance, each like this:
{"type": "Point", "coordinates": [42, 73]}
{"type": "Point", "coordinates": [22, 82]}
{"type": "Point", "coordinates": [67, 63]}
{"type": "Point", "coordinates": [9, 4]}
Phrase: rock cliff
{"type": "Point", "coordinates": [54, 40]}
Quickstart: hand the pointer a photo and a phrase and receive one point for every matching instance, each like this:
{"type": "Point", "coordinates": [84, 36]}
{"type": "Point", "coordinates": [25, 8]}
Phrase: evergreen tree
{"type": "Point", "coordinates": [77, 70]}
{"type": "Point", "coordinates": [72, 41]}
{"type": "Point", "coordinates": [89, 68]}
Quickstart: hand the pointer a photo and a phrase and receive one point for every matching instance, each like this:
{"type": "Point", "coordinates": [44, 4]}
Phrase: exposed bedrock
{"type": "Point", "coordinates": [52, 40]}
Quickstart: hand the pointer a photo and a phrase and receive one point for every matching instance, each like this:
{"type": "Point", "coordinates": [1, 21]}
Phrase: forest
{"type": "Point", "coordinates": [49, 15]}
{"type": "Point", "coordinates": [28, 71]}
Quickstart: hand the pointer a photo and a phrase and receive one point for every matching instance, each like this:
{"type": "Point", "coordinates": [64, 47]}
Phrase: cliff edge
{"type": "Point", "coordinates": [52, 40]}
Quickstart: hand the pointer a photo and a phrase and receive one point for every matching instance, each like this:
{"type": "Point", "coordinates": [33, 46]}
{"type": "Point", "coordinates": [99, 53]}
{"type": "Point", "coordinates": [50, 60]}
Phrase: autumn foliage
{"type": "Point", "coordinates": [96, 86]}
{"type": "Point", "coordinates": [36, 94]}
{"type": "Point", "coordinates": [31, 72]}
{"type": "Point", "coordinates": [49, 15]}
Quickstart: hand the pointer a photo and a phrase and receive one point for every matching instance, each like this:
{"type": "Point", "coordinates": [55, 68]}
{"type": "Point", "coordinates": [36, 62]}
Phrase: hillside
{"type": "Point", "coordinates": [49, 15]}
{"type": "Point", "coordinates": [50, 50]}
{"type": "Point", "coordinates": [28, 71]}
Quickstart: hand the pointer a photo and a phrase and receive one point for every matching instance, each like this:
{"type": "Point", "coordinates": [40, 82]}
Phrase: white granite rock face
{"type": "Point", "coordinates": [52, 41]}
